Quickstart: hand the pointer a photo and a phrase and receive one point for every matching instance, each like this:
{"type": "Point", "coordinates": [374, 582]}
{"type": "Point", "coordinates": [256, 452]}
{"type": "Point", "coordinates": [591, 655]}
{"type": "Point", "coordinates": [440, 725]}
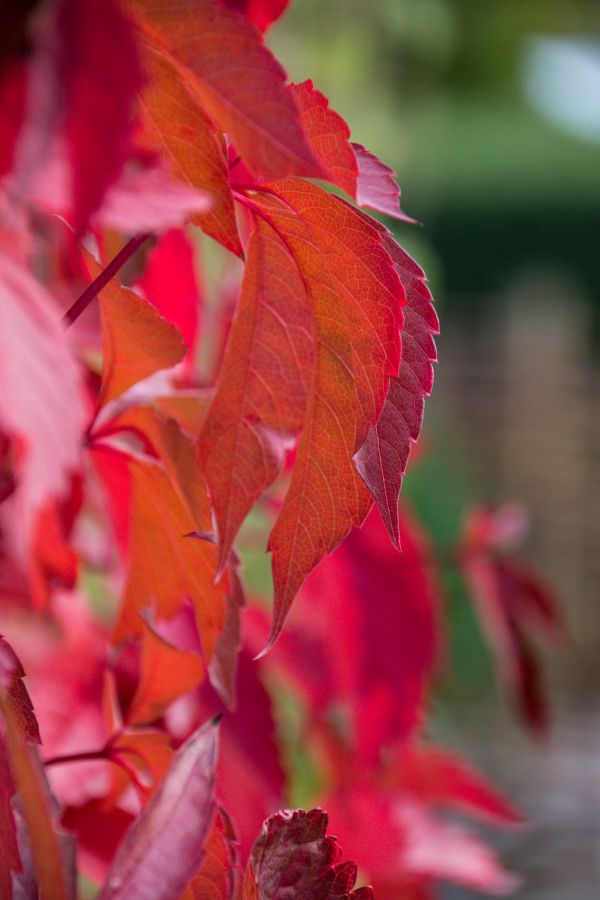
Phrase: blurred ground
{"type": "Point", "coordinates": [490, 114]}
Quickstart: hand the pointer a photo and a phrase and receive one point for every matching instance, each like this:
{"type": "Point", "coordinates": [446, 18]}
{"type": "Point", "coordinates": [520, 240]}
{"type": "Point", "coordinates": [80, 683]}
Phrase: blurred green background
{"type": "Point", "coordinates": [490, 115]}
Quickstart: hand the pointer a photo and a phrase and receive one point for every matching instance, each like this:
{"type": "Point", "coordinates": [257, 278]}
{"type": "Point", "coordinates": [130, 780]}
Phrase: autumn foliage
{"type": "Point", "coordinates": [141, 424]}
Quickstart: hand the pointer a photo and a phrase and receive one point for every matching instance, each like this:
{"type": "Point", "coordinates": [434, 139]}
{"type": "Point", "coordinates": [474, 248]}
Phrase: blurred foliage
{"type": "Point", "coordinates": [435, 88]}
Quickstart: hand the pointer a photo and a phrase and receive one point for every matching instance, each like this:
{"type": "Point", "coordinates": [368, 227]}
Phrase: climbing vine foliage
{"type": "Point", "coordinates": [148, 413]}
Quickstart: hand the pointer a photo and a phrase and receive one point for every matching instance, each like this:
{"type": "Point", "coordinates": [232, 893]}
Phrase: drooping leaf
{"type": "Point", "coordinates": [356, 300]}
{"type": "Point", "coordinates": [191, 147]}
{"type": "Point", "coordinates": [376, 185]}
{"type": "Point", "coordinates": [167, 564]}
{"type": "Point", "coordinates": [295, 856]}
{"type": "Point", "coordinates": [256, 110]}
{"type": "Point", "coordinates": [261, 13]}
{"type": "Point", "coordinates": [10, 860]}
{"type": "Point", "coordinates": [438, 778]}
{"type": "Point", "coordinates": [382, 459]}
{"type": "Point", "coordinates": [513, 604]}
{"type": "Point", "coordinates": [52, 869]}
{"type": "Point", "coordinates": [11, 680]}
{"type": "Point", "coordinates": [136, 340]}
{"type": "Point", "coordinates": [171, 554]}
{"type": "Point", "coordinates": [41, 404]}
{"type": "Point", "coordinates": [261, 395]}
{"type": "Point", "coordinates": [164, 847]}
{"type": "Point", "coordinates": [166, 673]}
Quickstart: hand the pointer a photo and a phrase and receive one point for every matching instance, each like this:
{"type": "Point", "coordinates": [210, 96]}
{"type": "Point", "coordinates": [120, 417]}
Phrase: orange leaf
{"type": "Point", "coordinates": [263, 385]}
{"type": "Point", "coordinates": [216, 879]}
{"type": "Point", "coordinates": [178, 127]}
{"type": "Point", "coordinates": [166, 564]}
{"type": "Point", "coordinates": [249, 100]}
{"type": "Point", "coordinates": [136, 340]}
{"type": "Point", "coordinates": [35, 802]}
{"type": "Point", "coordinates": [165, 674]}
{"type": "Point", "coordinates": [329, 137]}
{"type": "Point", "coordinates": [355, 297]}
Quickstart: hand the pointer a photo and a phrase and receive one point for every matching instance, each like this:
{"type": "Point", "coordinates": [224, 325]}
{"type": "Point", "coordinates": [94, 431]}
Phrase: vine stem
{"type": "Point", "coordinates": [93, 289]}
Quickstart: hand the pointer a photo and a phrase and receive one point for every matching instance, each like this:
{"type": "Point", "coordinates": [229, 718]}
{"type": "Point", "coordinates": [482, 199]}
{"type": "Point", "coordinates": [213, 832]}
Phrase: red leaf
{"type": "Point", "coordinates": [223, 665]}
{"type": "Point", "coordinates": [294, 856]}
{"type": "Point", "coordinates": [329, 137]}
{"type": "Point", "coordinates": [256, 110]}
{"type": "Point", "coordinates": [177, 127]}
{"type": "Point", "coordinates": [261, 394]}
{"type": "Point", "coordinates": [41, 404]}
{"type": "Point", "coordinates": [169, 282]}
{"type": "Point", "coordinates": [444, 851]}
{"type": "Point", "coordinates": [165, 674]}
{"type": "Point", "coordinates": [13, 92]}
{"type": "Point", "coordinates": [364, 636]}
{"type": "Point", "coordinates": [149, 199]}
{"type": "Point", "coordinates": [251, 779]}
{"type": "Point", "coordinates": [217, 879]}
{"type": "Point", "coordinates": [136, 340]}
{"type": "Point", "coordinates": [376, 185]}
{"type": "Point", "coordinates": [261, 13]}
{"type": "Point", "coordinates": [81, 86]}
{"type": "Point", "coordinates": [54, 878]}
{"type": "Point", "coordinates": [10, 860]}
{"type": "Point", "coordinates": [400, 841]}
{"type": "Point", "coordinates": [356, 298]}
{"type": "Point", "coordinates": [512, 602]}
{"type": "Point", "coordinates": [101, 76]}
{"type": "Point", "coordinates": [99, 831]}
{"type": "Point", "coordinates": [165, 846]}
{"type": "Point", "coordinates": [165, 565]}
{"type": "Point", "coordinates": [382, 459]}
{"type": "Point", "coordinates": [11, 681]}
{"type": "Point", "coordinates": [439, 778]}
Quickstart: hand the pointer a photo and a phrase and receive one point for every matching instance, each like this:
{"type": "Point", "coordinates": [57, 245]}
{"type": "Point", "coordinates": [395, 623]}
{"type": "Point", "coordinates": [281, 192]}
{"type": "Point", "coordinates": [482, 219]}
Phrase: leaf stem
{"type": "Point", "coordinates": [93, 289]}
{"type": "Point", "coordinates": [87, 756]}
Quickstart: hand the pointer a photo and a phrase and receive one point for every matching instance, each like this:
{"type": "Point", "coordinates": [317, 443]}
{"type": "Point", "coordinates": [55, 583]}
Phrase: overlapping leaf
{"type": "Point", "coordinates": [52, 868]}
{"type": "Point", "coordinates": [355, 296]}
{"type": "Point", "coordinates": [248, 101]}
{"type": "Point", "coordinates": [136, 339]}
{"type": "Point", "coordinates": [165, 674]}
{"type": "Point", "coordinates": [179, 129]}
{"type": "Point", "coordinates": [382, 459]}
{"type": "Point", "coordinates": [164, 848]}
{"type": "Point", "coordinates": [170, 558]}
{"type": "Point", "coordinates": [263, 386]}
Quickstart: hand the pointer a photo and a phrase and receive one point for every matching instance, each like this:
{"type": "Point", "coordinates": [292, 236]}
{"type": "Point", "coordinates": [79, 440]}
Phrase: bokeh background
{"type": "Point", "coordinates": [490, 114]}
